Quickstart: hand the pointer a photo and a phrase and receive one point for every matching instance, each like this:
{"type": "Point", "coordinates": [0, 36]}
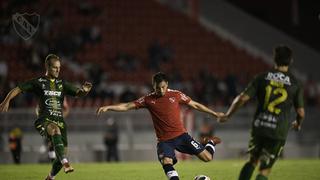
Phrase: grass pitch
{"type": "Point", "coordinates": [216, 170]}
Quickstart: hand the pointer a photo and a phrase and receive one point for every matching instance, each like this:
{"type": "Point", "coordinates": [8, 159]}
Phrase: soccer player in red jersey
{"type": "Point", "coordinates": [164, 107]}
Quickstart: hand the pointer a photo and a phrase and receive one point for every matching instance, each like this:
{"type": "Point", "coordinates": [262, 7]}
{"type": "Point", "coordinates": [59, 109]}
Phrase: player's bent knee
{"type": "Point", "coordinates": [205, 156]}
{"type": "Point", "coordinates": [254, 161]}
{"type": "Point", "coordinates": [167, 160]}
{"type": "Point", "coordinates": [208, 158]}
{"type": "Point", "coordinates": [53, 129]}
{"type": "Point", "coordinates": [265, 172]}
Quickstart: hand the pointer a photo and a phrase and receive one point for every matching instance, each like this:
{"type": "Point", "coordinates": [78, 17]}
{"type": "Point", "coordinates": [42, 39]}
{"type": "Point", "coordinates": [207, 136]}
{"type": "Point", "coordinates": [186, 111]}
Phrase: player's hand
{"type": "Point", "coordinates": [296, 126]}
{"type": "Point", "coordinates": [102, 109]}
{"type": "Point", "coordinates": [86, 87]}
{"type": "Point", "coordinates": [4, 107]}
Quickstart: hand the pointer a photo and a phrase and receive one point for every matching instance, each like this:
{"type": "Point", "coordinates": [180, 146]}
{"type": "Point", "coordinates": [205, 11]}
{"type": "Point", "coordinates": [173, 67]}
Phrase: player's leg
{"type": "Point", "coordinates": [15, 155]}
{"type": "Point", "coordinates": [55, 138]}
{"type": "Point", "coordinates": [56, 167]}
{"type": "Point", "coordinates": [58, 141]}
{"type": "Point", "coordinates": [270, 153]}
{"type": "Point", "coordinates": [51, 153]}
{"type": "Point", "coordinates": [248, 168]}
{"type": "Point", "coordinates": [66, 166]}
{"type": "Point", "coordinates": [167, 158]}
{"type": "Point", "coordinates": [209, 149]}
{"type": "Point", "coordinates": [254, 150]}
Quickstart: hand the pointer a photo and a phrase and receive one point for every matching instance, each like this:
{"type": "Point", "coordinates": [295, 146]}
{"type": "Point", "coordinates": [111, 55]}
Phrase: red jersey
{"type": "Point", "coordinates": [165, 112]}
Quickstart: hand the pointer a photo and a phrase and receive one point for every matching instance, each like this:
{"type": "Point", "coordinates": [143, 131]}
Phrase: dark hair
{"type": "Point", "coordinates": [49, 58]}
{"type": "Point", "coordinates": [282, 55]}
{"type": "Point", "coordinates": [159, 77]}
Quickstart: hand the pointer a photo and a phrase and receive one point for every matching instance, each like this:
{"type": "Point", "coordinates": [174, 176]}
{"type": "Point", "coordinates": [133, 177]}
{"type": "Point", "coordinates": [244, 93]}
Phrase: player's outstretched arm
{"type": "Point", "coordinates": [238, 102]}
{"type": "Point", "coordinates": [118, 107]}
{"type": "Point", "coordinates": [85, 89]}
{"type": "Point", "coordinates": [4, 106]}
{"type": "Point", "coordinates": [203, 108]}
{"type": "Point", "coordinates": [296, 125]}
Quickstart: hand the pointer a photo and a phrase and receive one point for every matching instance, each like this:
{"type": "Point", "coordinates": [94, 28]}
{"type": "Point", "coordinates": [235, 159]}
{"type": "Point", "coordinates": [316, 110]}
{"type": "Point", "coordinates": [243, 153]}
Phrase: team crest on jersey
{"type": "Point", "coordinates": [60, 87]}
{"type": "Point", "coordinates": [172, 99]}
{"type": "Point", "coordinates": [279, 77]}
{"type": "Point", "coordinates": [43, 86]}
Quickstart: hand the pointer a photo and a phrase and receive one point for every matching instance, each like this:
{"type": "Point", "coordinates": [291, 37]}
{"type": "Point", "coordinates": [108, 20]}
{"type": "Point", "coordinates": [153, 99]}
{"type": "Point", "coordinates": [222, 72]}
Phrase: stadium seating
{"type": "Point", "coordinates": [130, 27]}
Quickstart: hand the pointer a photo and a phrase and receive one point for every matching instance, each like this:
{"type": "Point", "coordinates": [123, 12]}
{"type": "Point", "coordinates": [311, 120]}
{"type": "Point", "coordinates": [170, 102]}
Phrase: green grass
{"type": "Point", "coordinates": [217, 170]}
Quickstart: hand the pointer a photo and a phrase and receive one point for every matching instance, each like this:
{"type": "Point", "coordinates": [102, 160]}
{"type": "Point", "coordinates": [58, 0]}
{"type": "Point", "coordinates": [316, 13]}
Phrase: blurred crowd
{"type": "Point", "coordinates": [26, 59]}
{"type": "Point", "coordinates": [204, 87]}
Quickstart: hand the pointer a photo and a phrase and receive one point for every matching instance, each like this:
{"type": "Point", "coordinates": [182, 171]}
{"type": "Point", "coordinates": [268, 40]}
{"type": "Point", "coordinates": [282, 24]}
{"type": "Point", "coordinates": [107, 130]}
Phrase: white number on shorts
{"type": "Point", "coordinates": [195, 144]}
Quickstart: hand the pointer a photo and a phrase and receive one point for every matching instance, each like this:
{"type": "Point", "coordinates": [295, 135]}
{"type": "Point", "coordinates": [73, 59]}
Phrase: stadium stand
{"type": "Point", "coordinates": [151, 36]}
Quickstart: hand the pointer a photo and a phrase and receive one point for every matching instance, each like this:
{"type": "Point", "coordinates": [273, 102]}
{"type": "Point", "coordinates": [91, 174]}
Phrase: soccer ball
{"type": "Point", "coordinates": [201, 177]}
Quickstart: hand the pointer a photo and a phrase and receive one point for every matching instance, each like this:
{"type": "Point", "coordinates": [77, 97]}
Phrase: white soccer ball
{"type": "Point", "coordinates": [201, 177]}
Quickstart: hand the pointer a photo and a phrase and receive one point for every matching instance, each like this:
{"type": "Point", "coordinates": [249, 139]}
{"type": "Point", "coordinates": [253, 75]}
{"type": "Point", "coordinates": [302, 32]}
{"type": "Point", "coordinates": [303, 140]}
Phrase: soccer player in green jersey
{"type": "Point", "coordinates": [276, 91]}
{"type": "Point", "coordinates": [50, 123]}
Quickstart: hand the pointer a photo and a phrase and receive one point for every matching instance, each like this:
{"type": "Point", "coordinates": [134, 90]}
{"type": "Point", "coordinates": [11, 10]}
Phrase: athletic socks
{"type": "Point", "coordinates": [58, 146]}
{"type": "Point", "coordinates": [56, 167]}
{"type": "Point", "coordinates": [171, 173]}
{"type": "Point", "coordinates": [210, 147]}
{"type": "Point", "coordinates": [246, 171]}
{"type": "Point", "coordinates": [261, 177]}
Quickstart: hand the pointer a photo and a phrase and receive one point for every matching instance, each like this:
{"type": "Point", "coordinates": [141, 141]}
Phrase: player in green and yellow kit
{"type": "Point", "coordinates": [51, 92]}
{"type": "Point", "coordinates": [276, 91]}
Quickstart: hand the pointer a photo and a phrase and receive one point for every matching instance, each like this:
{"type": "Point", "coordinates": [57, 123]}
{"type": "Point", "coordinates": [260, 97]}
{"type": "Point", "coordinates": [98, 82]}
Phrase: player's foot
{"type": "Point", "coordinates": [216, 140]}
{"type": "Point", "coordinates": [67, 168]}
{"type": "Point", "coordinates": [49, 178]}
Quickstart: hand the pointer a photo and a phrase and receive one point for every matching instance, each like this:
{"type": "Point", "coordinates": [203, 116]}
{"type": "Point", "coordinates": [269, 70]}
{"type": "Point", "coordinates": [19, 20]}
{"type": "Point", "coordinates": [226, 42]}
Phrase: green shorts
{"type": "Point", "coordinates": [266, 150]}
{"type": "Point", "coordinates": [41, 126]}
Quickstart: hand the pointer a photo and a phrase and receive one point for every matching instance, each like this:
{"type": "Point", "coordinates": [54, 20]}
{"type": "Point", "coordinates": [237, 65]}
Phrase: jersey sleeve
{"type": "Point", "coordinates": [183, 99]}
{"type": "Point", "coordinates": [252, 87]}
{"type": "Point", "coordinates": [28, 86]}
{"type": "Point", "coordinates": [140, 103]}
{"type": "Point", "coordinates": [298, 99]}
{"type": "Point", "coordinates": [70, 89]}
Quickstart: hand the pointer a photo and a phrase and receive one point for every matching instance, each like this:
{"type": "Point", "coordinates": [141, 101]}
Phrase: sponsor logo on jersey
{"type": "Point", "coordinates": [278, 77]}
{"type": "Point", "coordinates": [42, 80]}
{"type": "Point", "coordinates": [52, 102]}
{"type": "Point", "coordinates": [52, 93]}
{"type": "Point", "coordinates": [55, 113]}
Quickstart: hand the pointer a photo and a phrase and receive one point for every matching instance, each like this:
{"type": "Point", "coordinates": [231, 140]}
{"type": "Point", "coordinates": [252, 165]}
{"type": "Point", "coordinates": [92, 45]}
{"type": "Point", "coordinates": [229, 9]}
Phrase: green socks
{"type": "Point", "coordinates": [56, 166]}
{"type": "Point", "coordinates": [261, 177]}
{"type": "Point", "coordinates": [246, 171]}
{"type": "Point", "coordinates": [58, 146]}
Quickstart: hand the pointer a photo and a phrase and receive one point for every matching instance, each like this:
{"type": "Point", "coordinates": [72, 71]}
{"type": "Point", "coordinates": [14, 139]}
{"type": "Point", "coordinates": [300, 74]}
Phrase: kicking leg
{"type": "Point", "coordinates": [207, 154]}
{"type": "Point", "coordinates": [54, 132]}
{"type": "Point", "coordinates": [56, 167]}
